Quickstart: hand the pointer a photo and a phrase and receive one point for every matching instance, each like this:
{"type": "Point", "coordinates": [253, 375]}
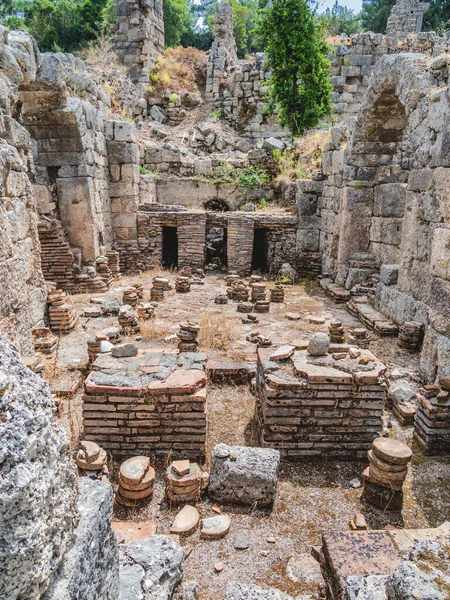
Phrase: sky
{"type": "Point", "coordinates": [355, 5]}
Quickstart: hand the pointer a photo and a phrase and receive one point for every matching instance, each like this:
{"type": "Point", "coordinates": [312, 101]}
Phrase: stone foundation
{"type": "Point", "coordinates": [306, 410]}
{"type": "Point", "coordinates": [131, 414]}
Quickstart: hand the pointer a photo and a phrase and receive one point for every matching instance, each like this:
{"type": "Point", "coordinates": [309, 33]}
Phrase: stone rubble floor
{"type": "Point", "coordinates": [311, 498]}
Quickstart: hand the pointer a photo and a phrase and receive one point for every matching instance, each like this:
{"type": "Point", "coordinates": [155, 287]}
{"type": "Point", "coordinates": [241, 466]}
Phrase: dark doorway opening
{"type": "Point", "coordinates": [170, 247]}
{"type": "Point", "coordinates": [260, 256]}
{"type": "Point", "coordinates": [216, 246]}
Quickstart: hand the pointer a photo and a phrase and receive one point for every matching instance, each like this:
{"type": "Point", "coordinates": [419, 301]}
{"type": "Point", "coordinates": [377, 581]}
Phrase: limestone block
{"type": "Point", "coordinates": [36, 464]}
{"type": "Point", "coordinates": [244, 475]}
{"type": "Point", "coordinates": [91, 567]}
{"type": "Point", "coordinates": [386, 230]}
{"type": "Point", "coordinates": [442, 182]}
{"type": "Point", "coordinates": [124, 131]}
{"type": "Point", "coordinates": [440, 253]}
{"type": "Point", "coordinates": [389, 274]}
{"type": "Point", "coordinates": [422, 180]}
{"type": "Point", "coordinates": [150, 569]}
{"type": "Point", "coordinates": [244, 591]}
{"type": "Point", "coordinates": [389, 200]}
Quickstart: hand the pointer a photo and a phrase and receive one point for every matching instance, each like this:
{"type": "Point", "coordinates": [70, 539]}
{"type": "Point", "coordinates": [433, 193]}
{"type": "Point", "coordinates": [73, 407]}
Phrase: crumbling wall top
{"type": "Point", "coordinates": [406, 17]}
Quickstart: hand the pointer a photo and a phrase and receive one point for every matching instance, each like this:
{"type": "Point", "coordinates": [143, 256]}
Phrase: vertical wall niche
{"type": "Point", "coordinates": [169, 256]}
{"type": "Point", "coordinates": [373, 199]}
{"type": "Point", "coordinates": [216, 246]}
{"type": "Point", "coordinates": [260, 255]}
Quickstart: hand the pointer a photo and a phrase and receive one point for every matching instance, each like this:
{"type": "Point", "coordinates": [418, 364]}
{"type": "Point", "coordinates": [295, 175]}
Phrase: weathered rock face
{"type": "Point", "coordinates": [244, 475]}
{"type": "Point", "coordinates": [38, 492]}
{"type": "Point", "coordinates": [22, 302]}
{"type": "Point", "coordinates": [425, 573]}
{"type": "Point", "coordinates": [151, 569]}
{"type": "Point", "coordinates": [91, 567]}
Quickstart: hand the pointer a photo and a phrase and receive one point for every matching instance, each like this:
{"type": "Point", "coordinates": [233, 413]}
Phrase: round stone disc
{"type": "Point", "coordinates": [383, 465]}
{"type": "Point", "coordinates": [183, 497]}
{"type": "Point", "coordinates": [392, 451]}
{"type": "Point", "coordinates": [96, 465]}
{"type": "Point", "coordinates": [136, 495]}
{"type": "Point", "coordinates": [146, 482]}
{"type": "Point", "coordinates": [186, 521]}
{"type": "Point", "coordinates": [385, 476]}
{"type": "Point", "coordinates": [133, 470]}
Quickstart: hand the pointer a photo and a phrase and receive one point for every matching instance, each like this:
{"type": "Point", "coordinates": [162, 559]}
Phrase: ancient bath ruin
{"type": "Point", "coordinates": [211, 387]}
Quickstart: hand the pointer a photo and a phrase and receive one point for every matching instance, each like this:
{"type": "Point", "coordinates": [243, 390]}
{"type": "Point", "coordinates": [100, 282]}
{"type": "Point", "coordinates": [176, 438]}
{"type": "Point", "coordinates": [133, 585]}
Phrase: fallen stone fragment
{"type": "Point", "coordinates": [319, 344]}
{"type": "Point", "coordinates": [215, 527]}
{"type": "Point", "coordinates": [127, 531]}
{"type": "Point", "coordinates": [282, 353]}
{"type": "Point", "coordinates": [181, 467]}
{"type": "Point", "coordinates": [304, 569]}
{"type": "Point", "coordinates": [186, 521]}
{"type": "Point", "coordinates": [291, 316]}
{"type": "Point", "coordinates": [240, 542]}
{"type": "Point", "coordinates": [316, 320]}
{"type": "Point", "coordinates": [124, 350]}
{"type": "Point", "coordinates": [242, 591]}
{"type": "Point", "coordinates": [218, 567]}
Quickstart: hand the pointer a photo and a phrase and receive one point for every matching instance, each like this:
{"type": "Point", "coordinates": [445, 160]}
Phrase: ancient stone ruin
{"type": "Point", "coordinates": [215, 383]}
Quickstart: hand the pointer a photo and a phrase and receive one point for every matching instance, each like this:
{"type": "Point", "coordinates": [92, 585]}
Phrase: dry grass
{"type": "Point", "coordinates": [217, 331]}
{"type": "Point", "coordinates": [152, 329]}
{"type": "Point", "coordinates": [307, 157]}
{"type": "Point", "coordinates": [177, 71]}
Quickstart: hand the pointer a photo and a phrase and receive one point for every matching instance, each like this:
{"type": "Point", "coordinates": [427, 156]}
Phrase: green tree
{"type": "Point", "coordinates": [375, 13]}
{"type": "Point", "coordinates": [177, 20]}
{"type": "Point", "coordinates": [340, 19]}
{"type": "Point", "coordinates": [297, 55]}
{"type": "Point", "coordinates": [437, 18]}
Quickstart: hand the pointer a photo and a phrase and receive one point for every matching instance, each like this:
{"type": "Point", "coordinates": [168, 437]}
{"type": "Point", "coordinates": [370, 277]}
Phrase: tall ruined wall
{"type": "Point", "coordinates": [386, 199]}
{"type": "Point", "coordinates": [23, 294]}
{"type": "Point", "coordinates": [353, 61]}
{"type": "Point", "coordinates": [139, 37]}
{"type": "Point", "coordinates": [406, 17]}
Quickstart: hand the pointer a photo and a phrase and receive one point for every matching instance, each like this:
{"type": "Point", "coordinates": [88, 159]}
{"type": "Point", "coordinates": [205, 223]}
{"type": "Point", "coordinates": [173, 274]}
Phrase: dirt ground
{"type": "Point", "coordinates": [311, 498]}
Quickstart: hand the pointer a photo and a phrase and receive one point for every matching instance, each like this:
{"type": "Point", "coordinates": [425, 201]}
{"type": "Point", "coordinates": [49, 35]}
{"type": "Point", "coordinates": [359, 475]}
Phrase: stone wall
{"type": "Point", "coordinates": [139, 37]}
{"type": "Point", "coordinates": [385, 200]}
{"type": "Point", "coordinates": [353, 61]}
{"type": "Point", "coordinates": [406, 17]}
{"type": "Point", "coordinates": [222, 55]}
{"type": "Point", "coordinates": [23, 297]}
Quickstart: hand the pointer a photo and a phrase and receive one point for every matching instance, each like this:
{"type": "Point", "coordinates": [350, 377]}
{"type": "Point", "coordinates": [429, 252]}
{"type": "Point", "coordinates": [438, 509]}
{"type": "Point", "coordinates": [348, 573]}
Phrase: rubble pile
{"type": "Point", "coordinates": [128, 320]}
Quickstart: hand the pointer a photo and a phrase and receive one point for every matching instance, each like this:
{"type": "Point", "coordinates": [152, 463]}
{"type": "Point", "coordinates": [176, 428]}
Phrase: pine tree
{"type": "Point", "coordinates": [297, 55]}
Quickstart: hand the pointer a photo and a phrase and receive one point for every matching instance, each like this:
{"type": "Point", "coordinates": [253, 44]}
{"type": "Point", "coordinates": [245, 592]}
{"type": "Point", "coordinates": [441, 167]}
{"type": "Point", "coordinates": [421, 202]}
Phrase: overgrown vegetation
{"type": "Point", "coordinates": [246, 177]}
{"type": "Point", "coordinates": [177, 70]}
{"type": "Point", "coordinates": [297, 55]}
{"type": "Point", "coordinates": [303, 160]}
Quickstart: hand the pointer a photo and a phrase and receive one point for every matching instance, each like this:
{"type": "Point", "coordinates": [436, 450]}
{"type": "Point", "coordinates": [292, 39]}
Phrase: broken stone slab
{"type": "Point", "coordinates": [151, 569]}
{"type": "Point", "coordinates": [127, 531]}
{"type": "Point", "coordinates": [241, 542]}
{"type": "Point", "coordinates": [305, 569]}
{"type": "Point", "coordinates": [215, 527]}
{"type": "Point", "coordinates": [402, 393]}
{"type": "Point", "coordinates": [179, 382]}
{"type": "Point", "coordinates": [181, 467]}
{"type": "Point", "coordinates": [244, 475]}
{"type": "Point", "coordinates": [186, 521]}
{"type": "Point", "coordinates": [92, 311]}
{"type": "Point", "coordinates": [282, 353]}
{"type": "Point", "coordinates": [370, 587]}
{"type": "Point", "coordinates": [424, 573]}
{"type": "Point", "coordinates": [111, 306]}
{"type": "Point", "coordinates": [136, 473]}
{"type": "Point", "coordinates": [244, 591]}
{"type": "Point", "coordinates": [124, 350]}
